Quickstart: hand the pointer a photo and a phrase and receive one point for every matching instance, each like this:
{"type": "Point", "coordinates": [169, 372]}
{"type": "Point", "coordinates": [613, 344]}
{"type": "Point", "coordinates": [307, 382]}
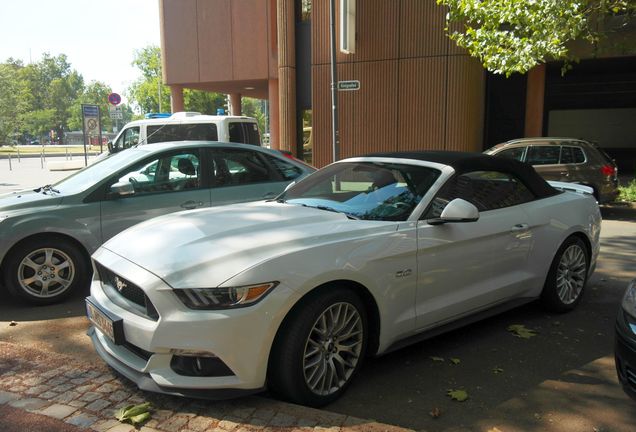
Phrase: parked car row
{"type": "Point", "coordinates": [320, 269]}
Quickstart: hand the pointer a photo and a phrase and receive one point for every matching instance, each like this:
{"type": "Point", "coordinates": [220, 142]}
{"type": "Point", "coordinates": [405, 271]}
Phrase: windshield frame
{"type": "Point", "coordinates": [396, 201]}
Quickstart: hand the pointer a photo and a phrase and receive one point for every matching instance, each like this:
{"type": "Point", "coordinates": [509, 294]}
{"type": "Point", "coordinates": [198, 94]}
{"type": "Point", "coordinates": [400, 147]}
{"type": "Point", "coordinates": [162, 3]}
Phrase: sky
{"type": "Point", "coordinates": [99, 37]}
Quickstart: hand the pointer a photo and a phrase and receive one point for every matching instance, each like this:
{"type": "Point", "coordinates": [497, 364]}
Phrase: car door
{"type": "Point", "coordinates": [546, 161]}
{"type": "Point", "coordinates": [239, 174]}
{"type": "Point", "coordinates": [466, 267]}
{"type": "Point", "coordinates": [171, 181]}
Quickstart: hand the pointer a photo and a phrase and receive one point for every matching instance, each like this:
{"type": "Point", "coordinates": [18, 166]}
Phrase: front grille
{"type": "Point", "coordinates": [120, 286]}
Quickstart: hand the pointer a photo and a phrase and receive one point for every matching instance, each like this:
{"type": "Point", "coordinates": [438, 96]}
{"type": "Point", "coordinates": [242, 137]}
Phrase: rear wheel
{"type": "Point", "coordinates": [567, 277]}
{"type": "Point", "coordinates": [45, 270]}
{"type": "Point", "coordinates": [321, 349]}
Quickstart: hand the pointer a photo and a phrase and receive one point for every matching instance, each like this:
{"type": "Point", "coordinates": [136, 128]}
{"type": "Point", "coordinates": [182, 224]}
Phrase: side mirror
{"type": "Point", "coordinates": [110, 146]}
{"type": "Point", "coordinates": [458, 210]}
{"type": "Point", "coordinates": [122, 189]}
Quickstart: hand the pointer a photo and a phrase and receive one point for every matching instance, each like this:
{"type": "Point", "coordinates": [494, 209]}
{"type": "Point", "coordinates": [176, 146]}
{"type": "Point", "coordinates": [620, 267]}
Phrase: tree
{"type": "Point", "coordinates": [510, 36]}
{"type": "Point", "coordinates": [12, 101]}
{"type": "Point", "coordinates": [145, 91]}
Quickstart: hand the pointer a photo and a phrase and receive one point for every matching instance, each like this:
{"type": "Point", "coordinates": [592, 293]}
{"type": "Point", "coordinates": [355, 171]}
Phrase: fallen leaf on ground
{"type": "Point", "coordinates": [497, 370]}
{"type": "Point", "coordinates": [458, 395]}
{"type": "Point", "coordinates": [435, 412]}
{"type": "Point", "coordinates": [437, 359]}
{"type": "Point", "coordinates": [134, 414]}
{"type": "Point", "coordinates": [520, 331]}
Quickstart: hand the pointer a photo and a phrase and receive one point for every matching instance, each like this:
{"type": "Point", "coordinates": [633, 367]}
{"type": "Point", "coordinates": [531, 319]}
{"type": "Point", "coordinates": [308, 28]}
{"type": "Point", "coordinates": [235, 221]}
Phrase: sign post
{"type": "Point", "coordinates": [92, 126]}
{"type": "Point", "coordinates": [115, 111]}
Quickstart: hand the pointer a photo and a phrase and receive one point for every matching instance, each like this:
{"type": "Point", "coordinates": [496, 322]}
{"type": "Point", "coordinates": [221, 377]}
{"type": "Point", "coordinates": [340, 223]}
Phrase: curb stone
{"type": "Point", "coordinates": [89, 395]}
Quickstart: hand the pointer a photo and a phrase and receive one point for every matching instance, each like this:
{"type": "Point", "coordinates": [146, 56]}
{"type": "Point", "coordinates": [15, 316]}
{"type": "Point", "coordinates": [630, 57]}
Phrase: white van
{"type": "Point", "coordinates": [187, 126]}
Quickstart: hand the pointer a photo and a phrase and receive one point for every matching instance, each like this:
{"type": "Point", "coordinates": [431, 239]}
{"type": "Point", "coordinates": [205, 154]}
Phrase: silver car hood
{"type": "Point", "coordinates": [28, 199]}
{"type": "Point", "coordinates": [204, 248]}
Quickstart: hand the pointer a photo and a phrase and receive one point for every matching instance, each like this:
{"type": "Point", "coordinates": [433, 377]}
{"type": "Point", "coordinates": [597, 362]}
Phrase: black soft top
{"type": "Point", "coordinates": [463, 162]}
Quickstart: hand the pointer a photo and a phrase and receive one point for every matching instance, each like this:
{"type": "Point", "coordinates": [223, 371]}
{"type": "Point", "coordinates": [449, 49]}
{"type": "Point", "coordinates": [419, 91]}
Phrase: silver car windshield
{"type": "Point", "coordinates": [98, 171]}
{"type": "Point", "coordinates": [365, 190]}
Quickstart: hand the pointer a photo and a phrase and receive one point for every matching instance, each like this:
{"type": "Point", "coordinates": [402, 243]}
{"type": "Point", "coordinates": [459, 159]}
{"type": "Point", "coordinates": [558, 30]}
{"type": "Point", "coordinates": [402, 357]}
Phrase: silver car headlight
{"type": "Point", "coordinates": [224, 297]}
{"type": "Point", "coordinates": [629, 299]}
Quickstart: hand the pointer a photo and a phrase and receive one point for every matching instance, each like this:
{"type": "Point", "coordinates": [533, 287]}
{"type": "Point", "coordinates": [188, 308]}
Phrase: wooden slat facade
{"type": "Point", "coordinates": [418, 90]}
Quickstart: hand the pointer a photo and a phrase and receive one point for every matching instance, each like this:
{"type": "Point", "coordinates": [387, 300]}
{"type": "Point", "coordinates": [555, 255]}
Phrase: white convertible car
{"type": "Point", "coordinates": [358, 259]}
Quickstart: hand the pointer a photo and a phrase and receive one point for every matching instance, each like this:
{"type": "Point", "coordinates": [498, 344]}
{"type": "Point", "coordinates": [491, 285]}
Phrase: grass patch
{"type": "Point", "coordinates": [628, 192]}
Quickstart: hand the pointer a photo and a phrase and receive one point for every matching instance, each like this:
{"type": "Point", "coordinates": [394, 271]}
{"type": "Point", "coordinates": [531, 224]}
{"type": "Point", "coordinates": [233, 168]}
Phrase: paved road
{"type": "Point", "coordinates": [561, 380]}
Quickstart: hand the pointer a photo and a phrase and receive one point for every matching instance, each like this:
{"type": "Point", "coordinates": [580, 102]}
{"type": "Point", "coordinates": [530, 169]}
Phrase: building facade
{"type": "Point", "coordinates": [417, 90]}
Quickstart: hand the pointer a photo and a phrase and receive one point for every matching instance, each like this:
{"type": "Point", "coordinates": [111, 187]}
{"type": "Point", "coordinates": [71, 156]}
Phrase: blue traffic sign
{"type": "Point", "coordinates": [90, 110]}
{"type": "Point", "coordinates": [114, 98]}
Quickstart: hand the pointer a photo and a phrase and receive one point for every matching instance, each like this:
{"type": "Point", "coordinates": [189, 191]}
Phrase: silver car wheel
{"type": "Point", "coordinates": [571, 273]}
{"type": "Point", "coordinates": [46, 272]}
{"type": "Point", "coordinates": [333, 349]}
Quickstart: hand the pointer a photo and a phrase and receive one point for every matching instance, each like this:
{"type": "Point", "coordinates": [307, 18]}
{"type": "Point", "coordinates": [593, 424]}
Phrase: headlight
{"type": "Point", "coordinates": [629, 300]}
{"type": "Point", "coordinates": [224, 298]}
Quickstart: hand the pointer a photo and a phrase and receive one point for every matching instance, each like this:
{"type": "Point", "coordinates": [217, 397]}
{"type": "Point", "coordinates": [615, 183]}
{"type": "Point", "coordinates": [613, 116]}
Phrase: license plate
{"type": "Point", "coordinates": [110, 326]}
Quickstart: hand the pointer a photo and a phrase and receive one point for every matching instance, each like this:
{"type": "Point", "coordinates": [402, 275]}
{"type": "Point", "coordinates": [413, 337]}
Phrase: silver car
{"type": "Point", "coordinates": [48, 234]}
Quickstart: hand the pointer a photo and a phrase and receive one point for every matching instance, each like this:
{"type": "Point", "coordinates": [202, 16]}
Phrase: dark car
{"type": "Point", "coordinates": [566, 160]}
{"type": "Point", "coordinates": [625, 345]}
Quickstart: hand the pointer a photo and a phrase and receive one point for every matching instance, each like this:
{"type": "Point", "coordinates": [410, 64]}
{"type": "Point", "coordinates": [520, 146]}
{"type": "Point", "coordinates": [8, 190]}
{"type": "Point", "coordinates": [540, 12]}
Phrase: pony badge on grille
{"type": "Point", "coordinates": [120, 284]}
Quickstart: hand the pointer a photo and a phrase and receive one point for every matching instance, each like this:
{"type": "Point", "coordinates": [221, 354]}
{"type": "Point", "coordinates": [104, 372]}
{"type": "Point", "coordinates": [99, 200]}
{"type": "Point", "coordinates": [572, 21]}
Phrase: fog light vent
{"type": "Point", "coordinates": [199, 366]}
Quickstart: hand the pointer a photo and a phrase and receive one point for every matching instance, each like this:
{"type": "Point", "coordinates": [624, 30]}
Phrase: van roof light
{"type": "Point", "coordinates": [157, 115]}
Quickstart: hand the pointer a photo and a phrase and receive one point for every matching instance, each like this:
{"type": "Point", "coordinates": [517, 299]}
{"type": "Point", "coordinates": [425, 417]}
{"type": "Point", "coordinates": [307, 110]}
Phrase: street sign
{"type": "Point", "coordinates": [349, 85]}
{"type": "Point", "coordinates": [114, 99]}
{"type": "Point", "coordinates": [90, 110]}
{"type": "Point", "coordinates": [115, 112]}
{"type": "Point", "coordinates": [92, 126]}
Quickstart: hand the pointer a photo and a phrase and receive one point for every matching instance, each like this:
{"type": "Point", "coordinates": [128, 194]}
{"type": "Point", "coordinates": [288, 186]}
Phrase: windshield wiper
{"type": "Point", "coordinates": [46, 188]}
{"type": "Point", "coordinates": [331, 209]}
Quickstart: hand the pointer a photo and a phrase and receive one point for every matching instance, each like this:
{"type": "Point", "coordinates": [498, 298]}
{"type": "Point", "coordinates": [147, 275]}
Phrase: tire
{"type": "Point", "coordinates": [45, 270]}
{"type": "Point", "coordinates": [567, 277]}
{"type": "Point", "coordinates": [309, 368]}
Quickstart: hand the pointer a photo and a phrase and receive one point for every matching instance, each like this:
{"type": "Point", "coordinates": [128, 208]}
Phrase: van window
{"type": "Point", "coordinates": [243, 132]}
{"type": "Point", "coordinates": [128, 138]}
{"type": "Point", "coordinates": [182, 132]}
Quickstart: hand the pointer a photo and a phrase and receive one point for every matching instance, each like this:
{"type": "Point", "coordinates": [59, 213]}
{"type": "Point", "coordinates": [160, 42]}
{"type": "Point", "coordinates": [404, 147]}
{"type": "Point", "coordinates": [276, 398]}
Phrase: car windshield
{"type": "Point", "coordinates": [98, 171]}
{"type": "Point", "coordinates": [365, 190]}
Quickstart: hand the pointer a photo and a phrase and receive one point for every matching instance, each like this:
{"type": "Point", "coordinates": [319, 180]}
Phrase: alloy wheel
{"type": "Point", "coordinates": [571, 273]}
{"type": "Point", "coordinates": [333, 349]}
{"type": "Point", "coordinates": [46, 272]}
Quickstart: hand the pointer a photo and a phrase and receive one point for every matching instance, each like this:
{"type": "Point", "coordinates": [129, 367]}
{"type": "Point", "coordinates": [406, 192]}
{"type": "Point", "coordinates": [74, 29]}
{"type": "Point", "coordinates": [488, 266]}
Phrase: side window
{"type": "Point", "coordinates": [165, 173]}
{"type": "Point", "coordinates": [487, 190]}
{"type": "Point", "coordinates": [513, 153]}
{"type": "Point", "coordinates": [129, 138]}
{"type": "Point", "coordinates": [234, 167]}
{"type": "Point", "coordinates": [543, 155]}
{"type": "Point", "coordinates": [572, 155]}
{"type": "Point", "coordinates": [182, 132]}
{"type": "Point", "coordinates": [236, 133]}
{"type": "Point", "coordinates": [286, 170]}
{"type": "Point", "coordinates": [253, 137]}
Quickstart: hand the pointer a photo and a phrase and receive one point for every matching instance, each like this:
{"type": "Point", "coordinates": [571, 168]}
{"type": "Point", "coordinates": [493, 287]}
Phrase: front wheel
{"type": "Point", "coordinates": [321, 349]}
{"type": "Point", "coordinates": [45, 270]}
{"type": "Point", "coordinates": [567, 276]}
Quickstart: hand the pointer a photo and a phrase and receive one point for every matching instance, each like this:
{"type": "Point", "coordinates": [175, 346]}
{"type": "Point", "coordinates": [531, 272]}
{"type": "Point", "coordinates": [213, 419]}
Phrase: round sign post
{"type": "Point", "coordinates": [114, 99]}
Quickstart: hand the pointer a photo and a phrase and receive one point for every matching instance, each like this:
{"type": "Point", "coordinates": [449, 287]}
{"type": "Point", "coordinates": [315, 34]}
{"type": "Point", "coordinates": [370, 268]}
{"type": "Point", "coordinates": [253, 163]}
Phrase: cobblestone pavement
{"type": "Point", "coordinates": [89, 395]}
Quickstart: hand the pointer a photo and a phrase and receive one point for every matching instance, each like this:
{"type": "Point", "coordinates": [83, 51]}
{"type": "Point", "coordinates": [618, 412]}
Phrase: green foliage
{"type": "Point", "coordinates": [520, 331]}
{"type": "Point", "coordinates": [627, 193]}
{"type": "Point", "coordinates": [510, 36]}
{"type": "Point", "coordinates": [457, 395]}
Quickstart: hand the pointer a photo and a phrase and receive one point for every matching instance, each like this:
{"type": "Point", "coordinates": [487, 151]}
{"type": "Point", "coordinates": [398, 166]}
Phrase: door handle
{"type": "Point", "coordinates": [565, 174]}
{"type": "Point", "coordinates": [189, 205]}
{"type": "Point", "coordinates": [519, 227]}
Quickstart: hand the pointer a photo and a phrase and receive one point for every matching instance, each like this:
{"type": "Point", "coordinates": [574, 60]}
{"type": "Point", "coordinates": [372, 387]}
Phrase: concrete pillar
{"type": "Point", "coordinates": [176, 98]}
{"type": "Point", "coordinates": [235, 104]}
{"type": "Point", "coordinates": [535, 96]}
{"type": "Point", "coordinates": [274, 113]}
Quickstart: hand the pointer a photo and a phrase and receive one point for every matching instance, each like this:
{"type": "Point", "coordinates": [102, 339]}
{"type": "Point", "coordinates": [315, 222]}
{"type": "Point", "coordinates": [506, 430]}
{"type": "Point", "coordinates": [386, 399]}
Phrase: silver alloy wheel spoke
{"type": "Point", "coordinates": [571, 273]}
{"type": "Point", "coordinates": [333, 349]}
{"type": "Point", "coordinates": [46, 272]}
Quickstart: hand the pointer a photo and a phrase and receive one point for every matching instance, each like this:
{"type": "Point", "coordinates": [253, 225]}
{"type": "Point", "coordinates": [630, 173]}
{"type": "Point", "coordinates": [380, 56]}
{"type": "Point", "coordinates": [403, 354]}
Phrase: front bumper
{"type": "Point", "coordinates": [241, 338]}
{"type": "Point", "coordinates": [625, 352]}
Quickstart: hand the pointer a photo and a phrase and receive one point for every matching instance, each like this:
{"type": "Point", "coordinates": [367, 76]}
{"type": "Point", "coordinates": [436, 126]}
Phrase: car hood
{"type": "Point", "coordinates": [204, 248]}
{"type": "Point", "coordinates": [28, 199]}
